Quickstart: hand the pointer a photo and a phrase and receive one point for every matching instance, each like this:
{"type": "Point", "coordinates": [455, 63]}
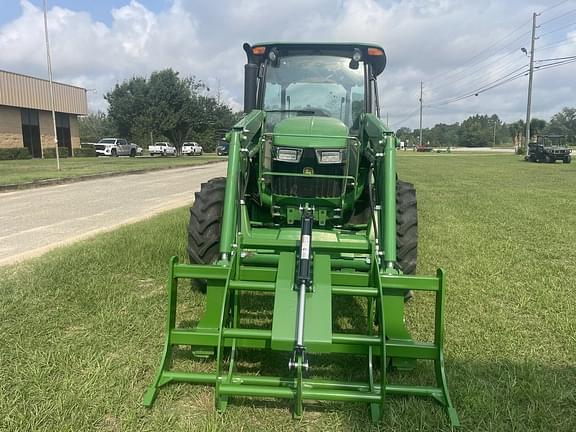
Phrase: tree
{"type": "Point", "coordinates": [563, 123]}
{"type": "Point", "coordinates": [477, 131]}
{"type": "Point", "coordinates": [95, 126]}
{"type": "Point", "coordinates": [165, 105]}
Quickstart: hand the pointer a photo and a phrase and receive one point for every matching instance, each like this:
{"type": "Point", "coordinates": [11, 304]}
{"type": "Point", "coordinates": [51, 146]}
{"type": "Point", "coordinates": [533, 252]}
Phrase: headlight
{"type": "Point", "coordinates": [329, 156]}
{"type": "Point", "coordinates": [286, 154]}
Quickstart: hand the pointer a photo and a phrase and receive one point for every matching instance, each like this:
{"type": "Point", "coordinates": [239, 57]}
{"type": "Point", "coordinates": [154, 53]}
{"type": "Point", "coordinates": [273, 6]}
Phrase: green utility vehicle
{"type": "Point", "coordinates": [311, 216]}
{"type": "Point", "coordinates": [549, 149]}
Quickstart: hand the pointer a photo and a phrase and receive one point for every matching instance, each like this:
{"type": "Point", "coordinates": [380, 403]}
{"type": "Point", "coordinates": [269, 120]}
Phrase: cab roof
{"type": "Point", "coordinates": [371, 53]}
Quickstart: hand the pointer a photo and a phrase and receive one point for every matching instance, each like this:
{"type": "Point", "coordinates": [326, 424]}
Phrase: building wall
{"type": "Point", "coordinates": [75, 131]}
{"type": "Point", "coordinates": [34, 93]}
{"type": "Point", "coordinates": [10, 127]}
{"type": "Point", "coordinates": [46, 129]}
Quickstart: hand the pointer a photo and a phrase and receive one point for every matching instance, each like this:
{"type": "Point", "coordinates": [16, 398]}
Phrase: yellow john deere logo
{"type": "Point", "coordinates": [308, 171]}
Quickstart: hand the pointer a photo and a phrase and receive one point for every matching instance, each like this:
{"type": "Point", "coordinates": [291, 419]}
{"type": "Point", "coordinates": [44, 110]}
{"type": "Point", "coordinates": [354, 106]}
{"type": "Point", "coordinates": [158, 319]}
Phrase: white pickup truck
{"type": "Point", "coordinates": [162, 149]}
{"type": "Point", "coordinates": [191, 148]}
{"type": "Point", "coordinates": [115, 147]}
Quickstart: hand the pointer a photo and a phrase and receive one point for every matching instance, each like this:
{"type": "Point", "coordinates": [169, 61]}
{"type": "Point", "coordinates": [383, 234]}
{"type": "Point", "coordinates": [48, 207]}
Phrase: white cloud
{"type": "Point", "coordinates": [428, 40]}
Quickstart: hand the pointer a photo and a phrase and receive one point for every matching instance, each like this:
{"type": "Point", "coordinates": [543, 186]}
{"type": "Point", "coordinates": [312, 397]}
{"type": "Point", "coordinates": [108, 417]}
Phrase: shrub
{"type": "Point", "coordinates": [50, 153]}
{"type": "Point", "coordinates": [85, 152]}
{"type": "Point", "coordinates": [15, 153]}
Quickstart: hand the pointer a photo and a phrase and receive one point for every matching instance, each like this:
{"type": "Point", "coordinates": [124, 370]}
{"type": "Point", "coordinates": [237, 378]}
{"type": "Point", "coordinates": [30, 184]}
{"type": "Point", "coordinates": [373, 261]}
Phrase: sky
{"type": "Point", "coordinates": [457, 48]}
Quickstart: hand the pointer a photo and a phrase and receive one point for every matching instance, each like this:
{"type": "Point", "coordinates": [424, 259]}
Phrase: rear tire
{"type": "Point", "coordinates": [205, 225]}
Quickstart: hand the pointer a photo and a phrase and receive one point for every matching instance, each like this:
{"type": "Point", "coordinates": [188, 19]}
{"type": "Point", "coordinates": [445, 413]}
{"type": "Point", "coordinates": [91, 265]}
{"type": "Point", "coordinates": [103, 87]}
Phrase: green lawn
{"type": "Point", "coordinates": [81, 328]}
{"type": "Point", "coordinates": [23, 171]}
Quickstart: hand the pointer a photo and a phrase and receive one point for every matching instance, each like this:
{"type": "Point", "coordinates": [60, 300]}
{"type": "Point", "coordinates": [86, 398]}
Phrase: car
{"type": "Point", "coordinates": [115, 147]}
{"type": "Point", "coordinates": [162, 149]}
{"type": "Point", "coordinates": [192, 149]}
{"type": "Point", "coordinates": [222, 148]}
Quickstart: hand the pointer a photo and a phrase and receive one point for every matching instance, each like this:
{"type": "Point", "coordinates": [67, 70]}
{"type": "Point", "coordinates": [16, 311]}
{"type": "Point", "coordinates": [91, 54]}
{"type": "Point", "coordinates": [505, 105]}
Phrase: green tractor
{"type": "Point", "coordinates": [311, 214]}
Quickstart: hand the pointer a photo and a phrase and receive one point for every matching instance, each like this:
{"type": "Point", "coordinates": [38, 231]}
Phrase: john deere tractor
{"type": "Point", "coordinates": [311, 216]}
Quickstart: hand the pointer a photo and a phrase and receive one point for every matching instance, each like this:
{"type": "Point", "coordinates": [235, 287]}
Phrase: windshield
{"type": "Point", "coordinates": [107, 141]}
{"type": "Point", "coordinates": [315, 85]}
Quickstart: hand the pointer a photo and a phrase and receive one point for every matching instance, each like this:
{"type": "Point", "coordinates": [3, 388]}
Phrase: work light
{"type": "Point", "coordinates": [287, 155]}
{"type": "Point", "coordinates": [329, 156]}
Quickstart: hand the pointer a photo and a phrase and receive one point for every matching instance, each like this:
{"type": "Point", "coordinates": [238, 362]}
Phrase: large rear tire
{"type": "Point", "coordinates": [205, 225]}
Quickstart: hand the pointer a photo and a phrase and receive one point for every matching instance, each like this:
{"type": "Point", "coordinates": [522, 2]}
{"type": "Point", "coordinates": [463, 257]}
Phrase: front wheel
{"type": "Point", "coordinates": [568, 159]}
{"type": "Point", "coordinates": [205, 225]}
{"type": "Point", "coordinates": [406, 227]}
{"type": "Point", "coordinates": [113, 153]}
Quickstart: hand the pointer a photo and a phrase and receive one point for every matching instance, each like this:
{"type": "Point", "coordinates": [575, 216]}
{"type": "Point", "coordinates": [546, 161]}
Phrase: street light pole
{"type": "Point", "coordinates": [421, 84]}
{"type": "Point", "coordinates": [49, 62]}
{"type": "Point", "coordinates": [531, 73]}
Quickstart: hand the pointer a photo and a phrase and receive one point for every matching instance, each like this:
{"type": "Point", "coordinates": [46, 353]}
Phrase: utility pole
{"type": "Point", "coordinates": [421, 85]}
{"type": "Point", "coordinates": [49, 62]}
{"type": "Point", "coordinates": [387, 119]}
{"type": "Point", "coordinates": [494, 139]}
{"type": "Point", "coordinates": [531, 73]}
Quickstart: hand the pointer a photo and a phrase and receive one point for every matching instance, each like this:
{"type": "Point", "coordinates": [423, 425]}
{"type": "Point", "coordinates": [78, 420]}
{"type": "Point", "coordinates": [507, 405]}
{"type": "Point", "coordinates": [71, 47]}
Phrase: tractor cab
{"type": "Point", "coordinates": [314, 97]}
{"type": "Point", "coordinates": [335, 81]}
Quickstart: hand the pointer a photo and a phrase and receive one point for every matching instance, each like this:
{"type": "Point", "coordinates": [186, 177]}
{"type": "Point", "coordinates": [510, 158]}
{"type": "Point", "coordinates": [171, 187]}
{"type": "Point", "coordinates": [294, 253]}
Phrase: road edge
{"type": "Point", "coordinates": [58, 181]}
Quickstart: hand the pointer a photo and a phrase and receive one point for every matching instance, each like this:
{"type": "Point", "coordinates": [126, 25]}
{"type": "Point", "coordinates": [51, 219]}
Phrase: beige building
{"type": "Point", "coordinates": [26, 116]}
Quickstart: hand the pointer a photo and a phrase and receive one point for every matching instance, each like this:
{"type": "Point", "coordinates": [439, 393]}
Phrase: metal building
{"type": "Point", "coordinates": [26, 117]}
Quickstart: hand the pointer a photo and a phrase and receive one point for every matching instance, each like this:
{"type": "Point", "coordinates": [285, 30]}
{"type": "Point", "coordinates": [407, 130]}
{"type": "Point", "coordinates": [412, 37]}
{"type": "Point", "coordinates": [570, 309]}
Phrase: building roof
{"type": "Point", "coordinates": [25, 91]}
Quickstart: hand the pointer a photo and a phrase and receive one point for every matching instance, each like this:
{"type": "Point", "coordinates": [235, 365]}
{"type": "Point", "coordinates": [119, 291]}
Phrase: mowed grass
{"type": "Point", "coordinates": [24, 171]}
{"type": "Point", "coordinates": [82, 328]}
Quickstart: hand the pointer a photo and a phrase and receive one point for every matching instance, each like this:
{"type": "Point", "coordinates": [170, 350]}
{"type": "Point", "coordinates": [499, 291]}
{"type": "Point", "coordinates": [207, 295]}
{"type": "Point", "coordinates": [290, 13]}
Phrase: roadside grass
{"type": "Point", "coordinates": [82, 327]}
{"type": "Point", "coordinates": [23, 171]}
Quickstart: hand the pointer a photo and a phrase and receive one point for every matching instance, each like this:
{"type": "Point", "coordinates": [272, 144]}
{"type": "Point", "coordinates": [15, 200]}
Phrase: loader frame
{"type": "Point", "coordinates": [354, 264]}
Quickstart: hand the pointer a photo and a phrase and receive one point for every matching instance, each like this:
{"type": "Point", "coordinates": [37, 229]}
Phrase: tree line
{"type": "Point", "coordinates": [162, 107]}
{"type": "Point", "coordinates": [167, 107]}
{"type": "Point", "coordinates": [485, 131]}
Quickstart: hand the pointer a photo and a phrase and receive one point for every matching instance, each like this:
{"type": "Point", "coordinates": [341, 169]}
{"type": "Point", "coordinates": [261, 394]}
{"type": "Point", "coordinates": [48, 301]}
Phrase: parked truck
{"type": "Point", "coordinates": [162, 149]}
{"type": "Point", "coordinates": [115, 147]}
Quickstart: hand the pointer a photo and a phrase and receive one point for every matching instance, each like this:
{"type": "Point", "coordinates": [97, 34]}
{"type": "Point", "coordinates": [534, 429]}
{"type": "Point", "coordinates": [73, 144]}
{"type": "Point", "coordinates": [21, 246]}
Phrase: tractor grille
{"type": "Point", "coordinates": [308, 187]}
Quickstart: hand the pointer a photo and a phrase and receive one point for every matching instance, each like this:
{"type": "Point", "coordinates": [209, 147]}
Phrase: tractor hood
{"type": "Point", "coordinates": [311, 132]}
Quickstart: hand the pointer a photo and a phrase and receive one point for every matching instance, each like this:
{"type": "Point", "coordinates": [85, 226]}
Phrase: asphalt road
{"type": "Point", "coordinates": [37, 220]}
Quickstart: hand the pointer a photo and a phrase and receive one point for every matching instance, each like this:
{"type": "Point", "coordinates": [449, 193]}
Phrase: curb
{"type": "Point", "coordinates": [58, 181]}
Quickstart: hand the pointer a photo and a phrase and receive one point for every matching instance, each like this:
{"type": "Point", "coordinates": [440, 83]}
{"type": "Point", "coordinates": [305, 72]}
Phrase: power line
{"type": "Point", "coordinates": [482, 71]}
{"type": "Point", "coordinates": [479, 54]}
{"type": "Point", "coordinates": [558, 29]}
{"type": "Point", "coordinates": [553, 6]}
{"type": "Point", "coordinates": [556, 64]}
{"type": "Point", "coordinates": [490, 61]}
{"type": "Point", "coordinates": [556, 58]}
{"type": "Point", "coordinates": [481, 88]}
{"type": "Point", "coordinates": [557, 17]}
{"type": "Point", "coordinates": [408, 117]}
{"type": "Point", "coordinates": [558, 44]}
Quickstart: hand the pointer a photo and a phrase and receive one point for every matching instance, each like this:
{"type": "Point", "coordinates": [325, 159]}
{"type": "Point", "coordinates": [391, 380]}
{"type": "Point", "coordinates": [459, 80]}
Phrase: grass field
{"type": "Point", "coordinates": [23, 171]}
{"type": "Point", "coordinates": [81, 328]}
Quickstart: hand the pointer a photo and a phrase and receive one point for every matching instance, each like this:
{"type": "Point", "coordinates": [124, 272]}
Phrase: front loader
{"type": "Point", "coordinates": [311, 211]}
